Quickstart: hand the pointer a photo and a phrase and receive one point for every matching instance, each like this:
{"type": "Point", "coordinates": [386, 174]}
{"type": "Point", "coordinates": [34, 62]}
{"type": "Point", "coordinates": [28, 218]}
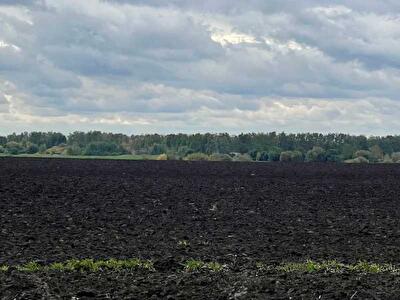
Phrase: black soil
{"type": "Point", "coordinates": [237, 214]}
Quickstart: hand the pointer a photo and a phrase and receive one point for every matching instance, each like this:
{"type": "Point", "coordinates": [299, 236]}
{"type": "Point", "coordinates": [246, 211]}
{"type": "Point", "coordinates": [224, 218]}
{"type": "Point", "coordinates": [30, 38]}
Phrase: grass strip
{"type": "Point", "coordinates": [333, 266]}
{"type": "Point", "coordinates": [193, 265]}
{"type": "Point", "coordinates": [89, 265]}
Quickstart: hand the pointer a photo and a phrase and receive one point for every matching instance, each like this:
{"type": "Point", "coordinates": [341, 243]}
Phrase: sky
{"type": "Point", "coordinates": [153, 66]}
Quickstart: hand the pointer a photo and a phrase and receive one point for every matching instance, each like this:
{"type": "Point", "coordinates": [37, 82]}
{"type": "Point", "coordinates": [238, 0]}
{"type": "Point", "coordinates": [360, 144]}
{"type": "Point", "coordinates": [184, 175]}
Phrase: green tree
{"type": "Point", "coordinates": [32, 148]}
{"type": "Point", "coordinates": [317, 154]}
{"type": "Point", "coordinates": [73, 150]}
{"type": "Point", "coordinates": [274, 154]}
{"type": "Point", "coordinates": [363, 153]}
{"type": "Point", "coordinates": [42, 148]}
{"type": "Point", "coordinates": [262, 156]}
{"type": "Point", "coordinates": [103, 149]}
{"type": "Point", "coordinates": [297, 156]}
{"type": "Point", "coordinates": [14, 148]}
{"type": "Point", "coordinates": [376, 153]}
{"type": "Point", "coordinates": [286, 156]}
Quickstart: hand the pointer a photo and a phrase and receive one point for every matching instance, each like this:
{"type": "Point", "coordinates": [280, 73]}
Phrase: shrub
{"type": "Point", "coordinates": [333, 155]}
{"type": "Point", "coordinates": [297, 156]}
{"type": "Point", "coordinates": [363, 153]}
{"type": "Point", "coordinates": [357, 160]}
{"type": "Point", "coordinates": [73, 150]}
{"type": "Point", "coordinates": [376, 153]}
{"type": "Point", "coordinates": [103, 148]}
{"type": "Point", "coordinates": [2, 150]}
{"type": "Point", "coordinates": [55, 150]}
{"type": "Point", "coordinates": [317, 154]}
{"type": "Point", "coordinates": [32, 148]}
{"type": "Point", "coordinates": [173, 155]}
{"type": "Point", "coordinates": [220, 157]}
{"type": "Point", "coordinates": [184, 151]}
{"type": "Point", "coordinates": [42, 148]}
{"type": "Point", "coordinates": [197, 156]}
{"type": "Point", "coordinates": [157, 149]}
{"type": "Point", "coordinates": [242, 157]}
{"type": "Point", "coordinates": [274, 154]}
{"type": "Point", "coordinates": [262, 156]}
{"type": "Point", "coordinates": [162, 157]}
{"type": "Point", "coordinates": [14, 148]}
{"type": "Point", "coordinates": [253, 154]}
{"type": "Point", "coordinates": [387, 159]}
{"type": "Point", "coordinates": [396, 157]}
{"type": "Point", "coordinates": [286, 156]}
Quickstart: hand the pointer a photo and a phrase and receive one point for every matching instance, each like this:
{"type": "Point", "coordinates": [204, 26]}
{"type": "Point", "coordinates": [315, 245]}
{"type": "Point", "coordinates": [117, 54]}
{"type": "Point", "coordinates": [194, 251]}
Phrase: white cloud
{"type": "Point", "coordinates": [191, 66]}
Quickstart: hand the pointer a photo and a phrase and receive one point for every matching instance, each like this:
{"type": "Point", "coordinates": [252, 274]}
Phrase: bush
{"type": "Point", "coordinates": [220, 157]}
{"type": "Point", "coordinates": [396, 157]}
{"type": "Point", "coordinates": [317, 154]}
{"type": "Point", "coordinates": [376, 153]}
{"type": "Point", "coordinates": [184, 151]}
{"type": "Point", "coordinates": [242, 157]}
{"type": "Point", "coordinates": [42, 148]}
{"type": "Point", "coordinates": [387, 159]}
{"type": "Point", "coordinates": [297, 156]}
{"type": "Point", "coordinates": [162, 157]}
{"type": "Point", "coordinates": [157, 149]}
{"type": "Point", "coordinates": [197, 156]}
{"type": "Point", "coordinates": [73, 150]}
{"type": "Point", "coordinates": [253, 154]}
{"type": "Point", "coordinates": [285, 156]}
{"type": "Point", "coordinates": [14, 148]}
{"type": "Point", "coordinates": [357, 160]}
{"type": "Point", "coordinates": [2, 150]}
{"type": "Point", "coordinates": [262, 156]}
{"type": "Point", "coordinates": [55, 150]}
{"type": "Point", "coordinates": [103, 149]}
{"type": "Point", "coordinates": [32, 148]}
{"type": "Point", "coordinates": [274, 154]}
{"type": "Point", "coordinates": [333, 155]}
{"type": "Point", "coordinates": [172, 155]}
{"type": "Point", "coordinates": [363, 153]}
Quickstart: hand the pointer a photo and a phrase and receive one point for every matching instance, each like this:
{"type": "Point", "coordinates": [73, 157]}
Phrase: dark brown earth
{"type": "Point", "coordinates": [237, 214]}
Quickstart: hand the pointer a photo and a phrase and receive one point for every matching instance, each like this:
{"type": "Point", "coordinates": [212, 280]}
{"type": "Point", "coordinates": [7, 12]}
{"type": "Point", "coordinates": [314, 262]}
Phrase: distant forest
{"type": "Point", "coordinates": [243, 147]}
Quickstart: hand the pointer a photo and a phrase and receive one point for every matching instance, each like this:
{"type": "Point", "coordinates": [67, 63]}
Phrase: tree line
{"type": "Point", "coordinates": [246, 146]}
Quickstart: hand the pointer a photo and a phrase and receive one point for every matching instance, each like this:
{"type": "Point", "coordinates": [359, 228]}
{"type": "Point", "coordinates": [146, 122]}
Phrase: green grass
{"type": "Point", "coordinates": [30, 267]}
{"type": "Point", "coordinates": [183, 243]}
{"type": "Point", "coordinates": [194, 265]}
{"type": "Point", "coordinates": [89, 265]}
{"type": "Point", "coordinates": [333, 266]}
{"type": "Point", "coordinates": [4, 268]}
{"type": "Point", "coordinates": [114, 157]}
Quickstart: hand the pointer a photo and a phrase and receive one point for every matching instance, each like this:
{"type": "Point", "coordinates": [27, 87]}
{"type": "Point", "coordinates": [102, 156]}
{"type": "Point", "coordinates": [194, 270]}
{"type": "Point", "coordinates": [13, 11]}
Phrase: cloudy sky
{"type": "Point", "coordinates": [145, 66]}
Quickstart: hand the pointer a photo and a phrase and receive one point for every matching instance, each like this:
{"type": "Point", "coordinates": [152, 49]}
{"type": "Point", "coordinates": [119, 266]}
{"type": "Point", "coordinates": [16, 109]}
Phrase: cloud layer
{"type": "Point", "coordinates": [148, 66]}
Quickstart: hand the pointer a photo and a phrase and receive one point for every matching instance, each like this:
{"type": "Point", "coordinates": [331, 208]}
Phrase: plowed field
{"type": "Point", "coordinates": [240, 215]}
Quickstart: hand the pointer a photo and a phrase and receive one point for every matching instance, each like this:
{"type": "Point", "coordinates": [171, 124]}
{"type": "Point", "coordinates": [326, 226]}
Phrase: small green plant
{"type": "Point", "coordinates": [4, 268]}
{"type": "Point", "coordinates": [193, 265]}
{"type": "Point", "coordinates": [333, 266]}
{"type": "Point", "coordinates": [365, 267]}
{"type": "Point", "coordinates": [57, 267]}
{"type": "Point", "coordinates": [30, 267]}
{"type": "Point", "coordinates": [183, 243]}
{"type": "Point", "coordinates": [214, 266]}
{"type": "Point", "coordinates": [260, 265]}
